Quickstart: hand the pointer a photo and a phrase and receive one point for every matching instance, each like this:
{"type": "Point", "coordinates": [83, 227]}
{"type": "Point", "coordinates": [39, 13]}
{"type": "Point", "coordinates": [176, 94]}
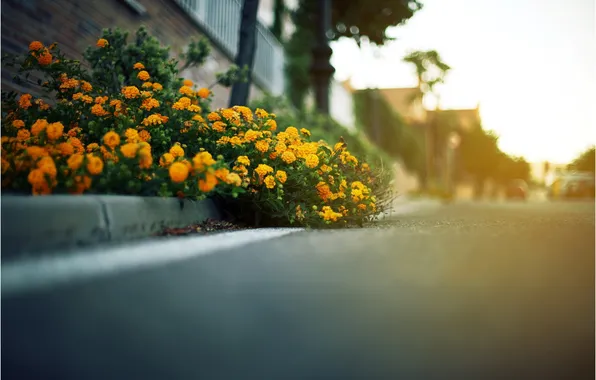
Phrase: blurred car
{"type": "Point", "coordinates": [572, 185]}
{"type": "Point", "coordinates": [517, 189]}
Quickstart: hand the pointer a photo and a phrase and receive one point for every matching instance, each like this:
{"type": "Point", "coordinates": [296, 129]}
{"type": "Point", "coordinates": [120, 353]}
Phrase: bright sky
{"type": "Point", "coordinates": [531, 64]}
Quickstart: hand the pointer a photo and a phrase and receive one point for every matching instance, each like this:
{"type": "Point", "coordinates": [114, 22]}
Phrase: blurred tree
{"type": "Point", "coordinates": [585, 161]}
{"type": "Point", "coordinates": [279, 11]}
{"type": "Point", "coordinates": [480, 156]}
{"type": "Point", "coordinates": [356, 19]}
{"type": "Point", "coordinates": [247, 45]}
{"type": "Point", "coordinates": [430, 71]}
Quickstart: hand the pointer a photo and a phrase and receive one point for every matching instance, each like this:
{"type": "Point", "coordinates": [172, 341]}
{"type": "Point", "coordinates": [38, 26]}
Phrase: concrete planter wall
{"type": "Point", "coordinates": [33, 224]}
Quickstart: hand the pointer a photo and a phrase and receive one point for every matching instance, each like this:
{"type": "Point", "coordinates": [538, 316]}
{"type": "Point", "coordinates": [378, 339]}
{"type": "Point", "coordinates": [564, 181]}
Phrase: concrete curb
{"type": "Point", "coordinates": [34, 224]}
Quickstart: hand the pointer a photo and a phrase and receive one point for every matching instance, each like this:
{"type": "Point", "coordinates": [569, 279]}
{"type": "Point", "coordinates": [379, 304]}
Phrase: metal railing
{"type": "Point", "coordinates": [220, 20]}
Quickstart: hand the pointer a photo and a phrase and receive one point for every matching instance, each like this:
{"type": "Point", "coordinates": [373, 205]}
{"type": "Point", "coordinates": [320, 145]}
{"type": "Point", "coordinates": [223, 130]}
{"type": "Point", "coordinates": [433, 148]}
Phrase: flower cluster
{"type": "Point", "coordinates": [146, 137]}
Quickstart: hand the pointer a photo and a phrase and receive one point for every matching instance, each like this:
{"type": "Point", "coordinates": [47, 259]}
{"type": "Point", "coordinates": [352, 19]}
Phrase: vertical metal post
{"type": "Point", "coordinates": [321, 69]}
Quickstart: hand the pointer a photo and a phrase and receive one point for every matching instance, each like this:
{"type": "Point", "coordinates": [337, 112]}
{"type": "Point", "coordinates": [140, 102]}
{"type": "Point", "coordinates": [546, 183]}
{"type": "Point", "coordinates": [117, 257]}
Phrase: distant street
{"type": "Point", "coordinates": [464, 291]}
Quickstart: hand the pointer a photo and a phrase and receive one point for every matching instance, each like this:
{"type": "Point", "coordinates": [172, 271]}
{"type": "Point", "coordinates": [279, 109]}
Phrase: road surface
{"type": "Point", "coordinates": [465, 291]}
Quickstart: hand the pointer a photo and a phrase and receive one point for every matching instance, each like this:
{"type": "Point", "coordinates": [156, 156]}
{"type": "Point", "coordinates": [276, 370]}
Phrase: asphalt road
{"type": "Point", "coordinates": [466, 291]}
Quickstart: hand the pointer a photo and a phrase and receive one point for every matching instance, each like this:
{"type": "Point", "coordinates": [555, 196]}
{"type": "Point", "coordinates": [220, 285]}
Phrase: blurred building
{"type": "Point", "coordinates": [74, 25]}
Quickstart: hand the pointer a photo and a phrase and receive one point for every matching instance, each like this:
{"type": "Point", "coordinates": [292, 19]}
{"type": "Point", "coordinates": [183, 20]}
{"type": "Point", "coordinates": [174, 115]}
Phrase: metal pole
{"type": "Point", "coordinates": [321, 69]}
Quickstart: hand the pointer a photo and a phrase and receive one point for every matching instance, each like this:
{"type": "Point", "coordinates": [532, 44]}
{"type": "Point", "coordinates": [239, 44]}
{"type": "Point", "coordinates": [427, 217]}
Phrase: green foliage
{"type": "Point", "coordinates": [394, 136]}
{"type": "Point", "coordinates": [355, 19]}
{"type": "Point", "coordinates": [430, 69]}
{"type": "Point", "coordinates": [585, 162]}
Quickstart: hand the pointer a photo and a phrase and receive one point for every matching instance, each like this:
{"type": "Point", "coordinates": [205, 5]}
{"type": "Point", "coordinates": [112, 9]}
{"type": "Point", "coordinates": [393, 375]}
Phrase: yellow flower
{"type": "Point", "coordinates": [178, 172]}
{"type": "Point", "coordinates": [339, 146]}
{"type": "Point", "coordinates": [209, 183]}
{"type": "Point", "coordinates": [292, 132]}
{"type": "Point", "coordinates": [222, 174]}
{"type": "Point", "coordinates": [131, 92]}
{"type": "Point", "coordinates": [54, 130]}
{"type": "Point", "coordinates": [305, 132]}
{"type": "Point", "coordinates": [271, 124]}
{"type": "Point", "coordinates": [144, 136]}
{"type": "Point", "coordinates": [38, 126]}
{"type": "Point", "coordinates": [203, 93]}
{"type": "Point", "coordinates": [143, 75]}
{"type": "Point", "coordinates": [251, 135]}
{"type": "Point", "coordinates": [102, 42]}
{"type": "Point", "coordinates": [111, 139]}
{"type": "Point", "coordinates": [177, 151]}
{"type": "Point", "coordinates": [185, 90]}
{"type": "Point", "coordinates": [91, 147]}
{"type": "Point", "coordinates": [312, 161]}
{"type": "Point", "coordinates": [35, 45]}
{"type": "Point", "coordinates": [262, 146]}
{"type": "Point", "coordinates": [281, 176]}
{"type": "Point", "coordinates": [288, 157]}
{"type": "Point", "coordinates": [262, 170]}
{"type": "Point", "coordinates": [219, 126]}
{"type": "Point", "coordinates": [299, 213]}
{"type": "Point", "coordinates": [243, 160]}
{"type": "Point", "coordinates": [261, 113]}
{"type": "Point", "coordinates": [75, 161]}
{"type": "Point", "coordinates": [233, 179]}
{"type": "Point", "coordinates": [328, 214]}
{"type": "Point", "coordinates": [325, 168]}
{"type": "Point", "coordinates": [25, 101]}
{"type": "Point", "coordinates": [245, 112]}
{"type": "Point", "coordinates": [23, 135]}
{"type": "Point", "coordinates": [155, 119]}
{"type": "Point", "coordinates": [145, 158]}
{"type": "Point", "coordinates": [202, 160]}
{"type": "Point", "coordinates": [132, 136]}
{"type": "Point", "coordinates": [157, 87]}
{"type": "Point", "coordinates": [194, 108]}
{"type": "Point", "coordinates": [213, 116]}
{"type": "Point", "coordinates": [129, 150]}
{"type": "Point", "coordinates": [166, 160]}
{"type": "Point", "coordinates": [18, 123]}
{"type": "Point", "coordinates": [94, 164]}
{"type": "Point", "coordinates": [269, 182]}
{"type": "Point", "coordinates": [187, 83]}
{"type": "Point", "coordinates": [241, 170]}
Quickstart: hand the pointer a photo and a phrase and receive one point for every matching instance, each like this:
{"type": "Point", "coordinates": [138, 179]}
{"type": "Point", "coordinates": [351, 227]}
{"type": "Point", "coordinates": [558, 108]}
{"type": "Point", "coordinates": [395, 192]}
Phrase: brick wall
{"type": "Point", "coordinates": [74, 25]}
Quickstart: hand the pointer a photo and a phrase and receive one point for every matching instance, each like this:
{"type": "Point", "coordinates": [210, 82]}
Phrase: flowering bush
{"type": "Point", "coordinates": [131, 126]}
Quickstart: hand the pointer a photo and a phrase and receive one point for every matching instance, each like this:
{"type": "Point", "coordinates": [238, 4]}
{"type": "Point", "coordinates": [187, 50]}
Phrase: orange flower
{"type": "Point", "coordinates": [288, 157]}
{"type": "Point", "coordinates": [54, 130]}
{"type": "Point", "coordinates": [281, 176]}
{"type": "Point", "coordinates": [38, 126]}
{"type": "Point", "coordinates": [130, 92]}
{"type": "Point", "coordinates": [101, 99]}
{"type": "Point", "coordinates": [269, 182]}
{"type": "Point", "coordinates": [75, 161]}
{"type": "Point", "coordinates": [25, 101]}
{"type": "Point", "coordinates": [144, 136]}
{"type": "Point", "coordinates": [209, 183]}
{"type": "Point", "coordinates": [65, 149]}
{"type": "Point", "coordinates": [77, 144]}
{"type": "Point", "coordinates": [166, 160]}
{"type": "Point", "coordinates": [323, 191]}
{"type": "Point", "coordinates": [138, 66]}
{"type": "Point", "coordinates": [23, 135]}
{"type": "Point", "coordinates": [143, 75]}
{"type": "Point", "coordinates": [177, 151]}
{"type": "Point", "coordinates": [312, 161]}
{"type": "Point", "coordinates": [213, 116]}
{"type": "Point", "coordinates": [146, 160]}
{"type": "Point", "coordinates": [149, 104]}
{"type": "Point", "coordinates": [35, 45]}
{"type": "Point", "coordinates": [86, 86]}
{"type": "Point", "coordinates": [262, 146]}
{"type": "Point", "coordinates": [102, 42]}
{"type": "Point", "coordinates": [233, 179]}
{"type": "Point", "coordinates": [94, 164]}
{"type": "Point", "coordinates": [187, 83]}
{"type": "Point", "coordinates": [129, 150]}
{"type": "Point", "coordinates": [91, 147]}
{"type": "Point", "coordinates": [157, 87]}
{"type": "Point", "coordinates": [271, 124]}
{"type": "Point", "coordinates": [178, 172]}
{"type": "Point", "coordinates": [132, 136]}
{"type": "Point", "coordinates": [185, 90]}
{"type": "Point", "coordinates": [36, 152]}
{"type": "Point", "coordinates": [111, 139]}
{"type": "Point", "coordinates": [98, 110]}
{"type": "Point", "coordinates": [45, 58]}
{"type": "Point", "coordinates": [18, 123]}
{"type": "Point", "coordinates": [47, 166]}
{"type": "Point", "coordinates": [219, 126]}
{"type": "Point", "coordinates": [203, 93]}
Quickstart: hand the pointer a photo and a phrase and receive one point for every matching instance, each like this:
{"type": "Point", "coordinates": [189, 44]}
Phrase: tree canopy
{"type": "Point", "coordinates": [355, 19]}
{"type": "Point", "coordinates": [585, 161]}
